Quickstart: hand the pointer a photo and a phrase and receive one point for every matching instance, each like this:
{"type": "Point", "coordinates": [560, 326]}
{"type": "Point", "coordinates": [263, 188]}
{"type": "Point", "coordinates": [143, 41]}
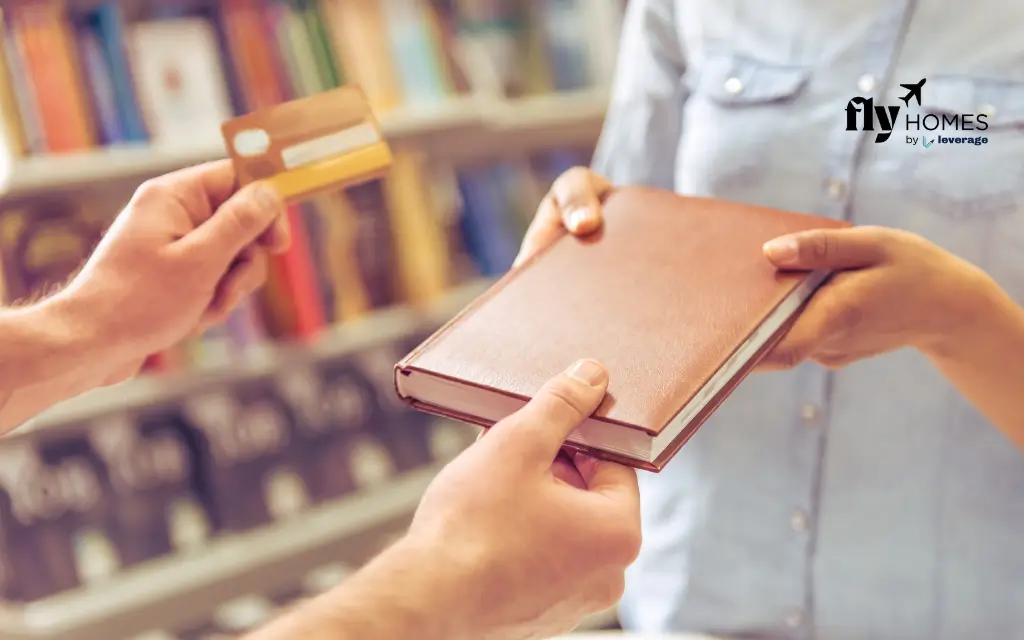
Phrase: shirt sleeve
{"type": "Point", "coordinates": [644, 122]}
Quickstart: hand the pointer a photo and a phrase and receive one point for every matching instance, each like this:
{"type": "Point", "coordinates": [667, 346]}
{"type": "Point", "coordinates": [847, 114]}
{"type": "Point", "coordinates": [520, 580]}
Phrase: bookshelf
{"type": "Point", "coordinates": [482, 115]}
{"type": "Point", "coordinates": [459, 130]}
{"type": "Point", "coordinates": [178, 591]}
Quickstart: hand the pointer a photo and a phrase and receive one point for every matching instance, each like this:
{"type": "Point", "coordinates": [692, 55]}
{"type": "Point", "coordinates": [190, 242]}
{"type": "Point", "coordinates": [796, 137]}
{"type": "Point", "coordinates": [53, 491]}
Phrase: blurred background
{"type": "Point", "coordinates": [261, 463]}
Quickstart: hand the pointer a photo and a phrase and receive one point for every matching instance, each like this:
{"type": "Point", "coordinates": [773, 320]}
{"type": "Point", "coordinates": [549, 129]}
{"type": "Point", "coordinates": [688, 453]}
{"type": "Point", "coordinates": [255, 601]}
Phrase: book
{"type": "Point", "coordinates": [42, 32]}
{"type": "Point", "coordinates": [181, 84]}
{"type": "Point", "coordinates": [15, 140]}
{"type": "Point", "coordinates": [298, 51]}
{"type": "Point", "coordinates": [293, 294]}
{"type": "Point", "coordinates": [420, 246]}
{"type": "Point", "coordinates": [357, 31]}
{"type": "Point", "coordinates": [674, 296]}
{"type": "Point", "coordinates": [100, 81]}
{"type": "Point", "coordinates": [108, 22]}
{"type": "Point", "coordinates": [42, 248]}
{"type": "Point", "coordinates": [416, 50]}
{"type": "Point", "coordinates": [256, 64]}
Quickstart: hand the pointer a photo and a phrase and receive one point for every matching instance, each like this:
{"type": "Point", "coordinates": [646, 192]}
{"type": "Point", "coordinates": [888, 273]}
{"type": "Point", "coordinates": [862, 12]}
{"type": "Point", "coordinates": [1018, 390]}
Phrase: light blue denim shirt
{"type": "Point", "coordinates": [871, 502]}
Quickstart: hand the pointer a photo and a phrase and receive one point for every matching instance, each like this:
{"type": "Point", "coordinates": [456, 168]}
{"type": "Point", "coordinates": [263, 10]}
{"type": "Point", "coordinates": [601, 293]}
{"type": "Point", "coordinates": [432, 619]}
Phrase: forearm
{"type": "Point", "coordinates": [403, 593]}
{"type": "Point", "coordinates": [984, 359]}
{"type": "Point", "coordinates": [47, 354]}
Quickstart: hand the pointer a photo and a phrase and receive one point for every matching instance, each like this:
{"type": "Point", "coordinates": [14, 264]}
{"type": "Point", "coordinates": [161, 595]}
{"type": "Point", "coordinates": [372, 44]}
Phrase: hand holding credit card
{"type": "Point", "coordinates": [325, 142]}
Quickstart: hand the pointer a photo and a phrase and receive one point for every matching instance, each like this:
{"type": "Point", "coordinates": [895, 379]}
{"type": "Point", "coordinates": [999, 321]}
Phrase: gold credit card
{"type": "Point", "coordinates": [325, 142]}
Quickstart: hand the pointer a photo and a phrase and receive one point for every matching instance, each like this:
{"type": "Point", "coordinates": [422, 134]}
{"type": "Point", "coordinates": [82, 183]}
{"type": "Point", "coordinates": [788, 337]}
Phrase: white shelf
{"type": "Point", "coordinates": [479, 125]}
{"type": "Point", "coordinates": [181, 590]}
{"type": "Point", "coordinates": [350, 337]}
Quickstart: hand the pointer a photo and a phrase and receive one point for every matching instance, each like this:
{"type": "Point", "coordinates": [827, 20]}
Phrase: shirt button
{"type": "Point", "coordinates": [734, 85]}
{"type": "Point", "coordinates": [795, 619]}
{"type": "Point", "coordinates": [836, 189]}
{"type": "Point", "coordinates": [798, 521]}
{"type": "Point", "coordinates": [866, 83]}
{"type": "Point", "coordinates": [810, 414]}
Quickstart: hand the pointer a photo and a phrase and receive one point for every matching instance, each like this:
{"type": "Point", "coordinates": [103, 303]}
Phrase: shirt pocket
{"type": "Point", "coordinates": [739, 109]}
{"type": "Point", "coordinates": [738, 80]}
{"type": "Point", "coordinates": [968, 180]}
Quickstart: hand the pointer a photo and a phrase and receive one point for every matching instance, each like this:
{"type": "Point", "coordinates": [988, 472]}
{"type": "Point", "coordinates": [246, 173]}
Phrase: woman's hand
{"type": "Point", "coordinates": [573, 204]}
{"type": "Point", "coordinates": [893, 289]}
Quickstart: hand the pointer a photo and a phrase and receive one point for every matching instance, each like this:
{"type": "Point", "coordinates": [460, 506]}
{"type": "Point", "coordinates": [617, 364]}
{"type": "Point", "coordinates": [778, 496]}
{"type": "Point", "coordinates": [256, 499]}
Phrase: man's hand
{"type": "Point", "coordinates": [500, 546]}
{"type": "Point", "coordinates": [537, 552]}
{"type": "Point", "coordinates": [894, 290]}
{"type": "Point", "coordinates": [573, 203]}
{"type": "Point", "coordinates": [187, 248]}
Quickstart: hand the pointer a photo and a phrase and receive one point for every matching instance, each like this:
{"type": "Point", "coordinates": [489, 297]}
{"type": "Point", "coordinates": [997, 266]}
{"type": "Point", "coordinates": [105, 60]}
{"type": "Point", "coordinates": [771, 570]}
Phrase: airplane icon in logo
{"type": "Point", "coordinates": [913, 92]}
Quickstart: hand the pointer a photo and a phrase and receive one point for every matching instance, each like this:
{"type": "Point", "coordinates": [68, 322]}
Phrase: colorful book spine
{"type": "Point", "coordinates": [99, 80]}
{"type": "Point", "coordinates": [108, 22]}
{"type": "Point", "coordinates": [43, 34]}
{"type": "Point", "coordinates": [256, 65]}
{"type": "Point", "coordinates": [294, 298]}
{"type": "Point", "coordinates": [415, 49]}
{"type": "Point", "coordinates": [16, 139]}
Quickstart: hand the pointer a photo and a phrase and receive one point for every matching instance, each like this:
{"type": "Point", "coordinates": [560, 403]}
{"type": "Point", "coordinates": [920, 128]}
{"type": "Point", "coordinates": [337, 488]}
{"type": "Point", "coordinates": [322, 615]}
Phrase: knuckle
{"type": "Point", "coordinates": [241, 217]}
{"type": "Point", "coordinates": [572, 184]}
{"type": "Point", "coordinates": [627, 545]}
{"type": "Point", "coordinates": [150, 191]}
{"type": "Point", "coordinates": [817, 246]}
{"type": "Point", "coordinates": [845, 318]}
{"type": "Point", "coordinates": [608, 591]}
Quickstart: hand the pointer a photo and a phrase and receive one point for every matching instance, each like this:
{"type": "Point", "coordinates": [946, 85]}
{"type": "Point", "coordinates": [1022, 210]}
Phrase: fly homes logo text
{"type": "Point", "coordinates": [923, 128]}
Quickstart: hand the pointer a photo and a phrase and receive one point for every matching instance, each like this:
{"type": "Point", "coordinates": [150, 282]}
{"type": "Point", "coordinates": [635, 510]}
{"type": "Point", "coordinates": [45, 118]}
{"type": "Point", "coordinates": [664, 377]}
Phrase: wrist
{"type": "Point", "coordinates": [439, 588]}
{"type": "Point", "coordinates": [964, 315]}
{"type": "Point", "coordinates": [68, 331]}
{"type": "Point", "coordinates": [43, 336]}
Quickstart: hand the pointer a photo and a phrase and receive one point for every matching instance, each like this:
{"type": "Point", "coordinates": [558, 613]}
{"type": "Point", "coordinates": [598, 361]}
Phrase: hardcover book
{"type": "Point", "coordinates": [674, 296]}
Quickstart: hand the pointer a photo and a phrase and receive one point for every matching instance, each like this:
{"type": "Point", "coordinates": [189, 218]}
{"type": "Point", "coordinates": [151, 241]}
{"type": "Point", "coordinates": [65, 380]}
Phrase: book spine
{"type": "Point", "coordinates": [109, 24]}
{"type": "Point", "coordinates": [42, 32]}
{"type": "Point", "coordinates": [100, 83]}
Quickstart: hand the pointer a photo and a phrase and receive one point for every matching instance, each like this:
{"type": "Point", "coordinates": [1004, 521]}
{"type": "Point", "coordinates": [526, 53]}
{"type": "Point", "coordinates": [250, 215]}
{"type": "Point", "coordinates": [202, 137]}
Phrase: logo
{"type": "Point", "coordinates": [862, 114]}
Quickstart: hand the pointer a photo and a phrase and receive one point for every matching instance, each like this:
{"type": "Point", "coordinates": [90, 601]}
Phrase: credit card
{"type": "Point", "coordinates": [309, 146]}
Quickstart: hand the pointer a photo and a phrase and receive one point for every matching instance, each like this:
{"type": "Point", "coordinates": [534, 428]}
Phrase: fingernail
{"type": "Point", "coordinates": [782, 250]}
{"type": "Point", "coordinates": [578, 218]}
{"type": "Point", "coordinates": [588, 372]}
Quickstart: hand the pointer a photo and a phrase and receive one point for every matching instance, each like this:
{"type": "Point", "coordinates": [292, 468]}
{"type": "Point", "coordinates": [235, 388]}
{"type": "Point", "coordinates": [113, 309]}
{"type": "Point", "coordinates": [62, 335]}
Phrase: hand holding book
{"type": "Point", "coordinates": [900, 290]}
{"type": "Point", "coordinates": [895, 290]}
{"type": "Point", "coordinates": [500, 546]}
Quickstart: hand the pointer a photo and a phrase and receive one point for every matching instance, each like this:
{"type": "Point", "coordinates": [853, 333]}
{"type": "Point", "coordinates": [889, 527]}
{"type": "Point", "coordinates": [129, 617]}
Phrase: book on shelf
{"type": "Point", "coordinates": [80, 76]}
{"type": "Point", "coordinates": [125, 483]}
{"type": "Point", "coordinates": [167, 74]}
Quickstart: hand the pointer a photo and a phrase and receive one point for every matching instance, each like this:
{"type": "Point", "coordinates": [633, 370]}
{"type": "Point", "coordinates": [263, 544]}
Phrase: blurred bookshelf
{"type": "Point", "coordinates": [459, 131]}
{"type": "Point", "coordinates": [274, 456]}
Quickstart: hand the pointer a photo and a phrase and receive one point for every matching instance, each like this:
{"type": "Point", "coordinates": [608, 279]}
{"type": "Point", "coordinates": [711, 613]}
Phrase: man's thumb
{"type": "Point", "coordinates": [828, 249]}
{"type": "Point", "coordinates": [238, 222]}
{"type": "Point", "coordinates": [542, 426]}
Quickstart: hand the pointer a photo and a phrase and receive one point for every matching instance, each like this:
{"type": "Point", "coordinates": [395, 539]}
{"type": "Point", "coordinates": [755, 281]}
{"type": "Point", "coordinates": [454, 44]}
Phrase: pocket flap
{"type": "Point", "coordinates": [738, 79]}
{"type": "Point", "coordinates": [1002, 101]}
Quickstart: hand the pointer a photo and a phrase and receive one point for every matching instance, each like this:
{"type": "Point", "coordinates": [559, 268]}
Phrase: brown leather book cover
{"type": "Point", "coordinates": [673, 295]}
